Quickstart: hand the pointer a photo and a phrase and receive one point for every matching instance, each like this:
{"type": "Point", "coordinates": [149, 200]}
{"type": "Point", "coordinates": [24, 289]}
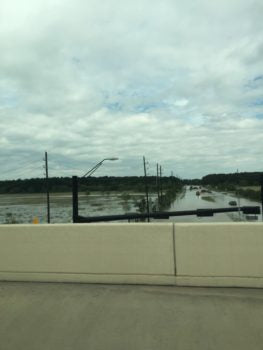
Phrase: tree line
{"type": "Point", "coordinates": [102, 184]}
{"type": "Point", "coordinates": [237, 183]}
{"type": "Point", "coordinates": [236, 179]}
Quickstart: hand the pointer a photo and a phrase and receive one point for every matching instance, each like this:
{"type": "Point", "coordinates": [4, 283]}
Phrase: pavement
{"type": "Point", "coordinates": [54, 316]}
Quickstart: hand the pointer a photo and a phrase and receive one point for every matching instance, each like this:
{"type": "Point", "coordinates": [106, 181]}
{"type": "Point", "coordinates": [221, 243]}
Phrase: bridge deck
{"type": "Point", "coordinates": [58, 316]}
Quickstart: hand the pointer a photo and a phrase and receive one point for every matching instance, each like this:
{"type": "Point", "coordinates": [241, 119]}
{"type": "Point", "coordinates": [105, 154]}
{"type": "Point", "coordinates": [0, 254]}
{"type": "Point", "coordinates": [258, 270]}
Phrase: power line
{"type": "Point", "coordinates": [22, 165]}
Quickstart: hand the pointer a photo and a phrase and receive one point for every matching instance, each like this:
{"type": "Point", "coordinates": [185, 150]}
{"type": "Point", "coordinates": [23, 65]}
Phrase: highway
{"type": "Point", "coordinates": [64, 316]}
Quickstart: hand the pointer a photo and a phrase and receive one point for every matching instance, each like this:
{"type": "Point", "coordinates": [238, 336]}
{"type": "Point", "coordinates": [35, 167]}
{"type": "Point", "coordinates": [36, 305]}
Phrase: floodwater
{"type": "Point", "coordinates": [24, 208]}
{"type": "Point", "coordinates": [188, 200]}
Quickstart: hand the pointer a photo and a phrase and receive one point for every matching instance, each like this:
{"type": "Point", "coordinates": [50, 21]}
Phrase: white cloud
{"type": "Point", "coordinates": [181, 103]}
{"type": "Point", "coordinates": [178, 82]}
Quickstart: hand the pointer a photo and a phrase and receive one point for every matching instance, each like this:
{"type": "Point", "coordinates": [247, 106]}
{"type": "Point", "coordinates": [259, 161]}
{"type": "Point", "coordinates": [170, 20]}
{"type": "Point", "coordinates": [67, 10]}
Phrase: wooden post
{"type": "Point", "coordinates": [47, 189]}
{"type": "Point", "coordinates": [146, 190]}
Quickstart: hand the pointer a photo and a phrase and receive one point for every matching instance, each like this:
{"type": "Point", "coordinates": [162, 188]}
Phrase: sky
{"type": "Point", "coordinates": [179, 82]}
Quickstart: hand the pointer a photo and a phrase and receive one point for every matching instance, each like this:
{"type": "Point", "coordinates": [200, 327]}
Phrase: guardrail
{"type": "Point", "coordinates": [76, 218]}
{"type": "Point", "coordinates": [166, 215]}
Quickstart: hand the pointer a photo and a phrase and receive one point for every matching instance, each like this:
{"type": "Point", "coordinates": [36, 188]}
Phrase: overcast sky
{"type": "Point", "coordinates": [180, 82]}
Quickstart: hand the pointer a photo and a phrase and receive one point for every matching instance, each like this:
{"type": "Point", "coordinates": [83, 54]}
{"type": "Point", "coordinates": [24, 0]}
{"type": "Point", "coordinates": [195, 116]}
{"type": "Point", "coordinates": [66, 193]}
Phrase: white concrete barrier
{"type": "Point", "coordinates": [219, 254]}
{"type": "Point", "coordinates": [107, 253]}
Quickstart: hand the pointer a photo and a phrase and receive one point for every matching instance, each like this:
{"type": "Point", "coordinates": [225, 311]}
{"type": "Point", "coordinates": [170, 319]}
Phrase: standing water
{"type": "Point", "coordinates": [25, 208]}
{"type": "Point", "coordinates": [189, 200]}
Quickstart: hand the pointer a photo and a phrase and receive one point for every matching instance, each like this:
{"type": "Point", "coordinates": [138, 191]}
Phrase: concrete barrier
{"type": "Point", "coordinates": [219, 254]}
{"type": "Point", "coordinates": [106, 253]}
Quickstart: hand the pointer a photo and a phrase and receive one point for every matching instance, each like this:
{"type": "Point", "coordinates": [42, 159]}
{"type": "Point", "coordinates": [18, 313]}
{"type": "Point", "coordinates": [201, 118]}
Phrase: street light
{"type": "Point", "coordinates": [75, 207]}
{"type": "Point", "coordinates": [92, 170]}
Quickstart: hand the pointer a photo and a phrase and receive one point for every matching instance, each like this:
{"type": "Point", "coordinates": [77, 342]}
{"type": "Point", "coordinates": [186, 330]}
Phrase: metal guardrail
{"type": "Point", "coordinates": [166, 215]}
{"type": "Point", "coordinates": [247, 210]}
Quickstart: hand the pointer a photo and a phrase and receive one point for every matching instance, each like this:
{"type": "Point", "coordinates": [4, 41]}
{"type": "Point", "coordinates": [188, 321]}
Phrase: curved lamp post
{"type": "Point", "coordinates": [92, 170]}
{"type": "Point", "coordinates": [75, 206]}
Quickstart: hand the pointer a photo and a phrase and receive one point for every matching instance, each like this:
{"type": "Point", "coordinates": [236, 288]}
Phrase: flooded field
{"type": "Point", "coordinates": [23, 208]}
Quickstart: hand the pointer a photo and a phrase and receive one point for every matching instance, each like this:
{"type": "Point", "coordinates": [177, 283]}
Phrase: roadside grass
{"type": "Point", "coordinates": [252, 193]}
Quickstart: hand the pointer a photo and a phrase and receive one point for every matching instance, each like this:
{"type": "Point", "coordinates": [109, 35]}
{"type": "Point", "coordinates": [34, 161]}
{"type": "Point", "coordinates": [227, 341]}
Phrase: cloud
{"type": "Point", "coordinates": [178, 82]}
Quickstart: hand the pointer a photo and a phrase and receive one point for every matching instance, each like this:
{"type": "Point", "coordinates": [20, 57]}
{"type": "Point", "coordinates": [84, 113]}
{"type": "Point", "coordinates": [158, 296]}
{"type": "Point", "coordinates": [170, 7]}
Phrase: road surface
{"type": "Point", "coordinates": [54, 316]}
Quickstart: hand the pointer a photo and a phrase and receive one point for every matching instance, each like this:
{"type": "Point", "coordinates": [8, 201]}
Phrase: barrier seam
{"type": "Point", "coordinates": [174, 254]}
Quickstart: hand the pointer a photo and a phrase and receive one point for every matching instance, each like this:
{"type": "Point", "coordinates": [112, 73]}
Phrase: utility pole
{"type": "Point", "coordinates": [146, 189]}
{"type": "Point", "coordinates": [158, 185]}
{"type": "Point", "coordinates": [47, 189]}
{"type": "Point", "coordinates": [161, 185]}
